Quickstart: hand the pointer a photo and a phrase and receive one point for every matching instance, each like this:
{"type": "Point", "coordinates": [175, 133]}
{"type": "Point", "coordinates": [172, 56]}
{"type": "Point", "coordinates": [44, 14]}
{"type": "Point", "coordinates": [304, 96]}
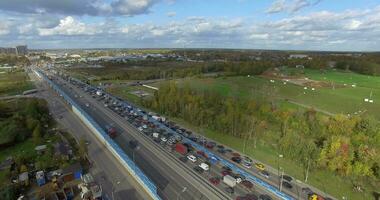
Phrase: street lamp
{"type": "Point", "coordinates": [183, 190]}
{"type": "Point", "coordinates": [278, 168]}
{"type": "Point", "coordinates": [113, 189]}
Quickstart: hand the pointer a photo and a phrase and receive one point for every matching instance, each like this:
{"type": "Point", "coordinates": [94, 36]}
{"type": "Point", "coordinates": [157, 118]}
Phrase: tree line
{"type": "Point", "coordinates": [347, 146]}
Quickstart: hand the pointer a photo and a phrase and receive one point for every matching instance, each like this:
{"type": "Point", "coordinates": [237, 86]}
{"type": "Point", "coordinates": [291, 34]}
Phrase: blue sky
{"type": "Point", "coordinates": [341, 25]}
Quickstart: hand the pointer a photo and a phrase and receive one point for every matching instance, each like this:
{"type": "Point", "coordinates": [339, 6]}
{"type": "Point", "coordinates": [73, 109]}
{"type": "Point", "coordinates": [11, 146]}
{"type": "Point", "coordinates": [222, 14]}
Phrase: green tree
{"type": "Point", "coordinates": [37, 136]}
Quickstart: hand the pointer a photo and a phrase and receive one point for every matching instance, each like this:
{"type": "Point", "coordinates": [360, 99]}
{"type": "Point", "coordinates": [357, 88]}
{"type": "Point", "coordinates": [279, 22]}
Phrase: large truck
{"type": "Point", "coordinates": [229, 180]}
{"type": "Point", "coordinates": [180, 148]}
{"type": "Point", "coordinates": [111, 131]}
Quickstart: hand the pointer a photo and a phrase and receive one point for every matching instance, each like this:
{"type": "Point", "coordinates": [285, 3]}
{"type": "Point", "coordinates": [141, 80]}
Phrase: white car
{"type": "Point", "coordinates": [204, 166]}
{"type": "Point", "coordinates": [192, 158]}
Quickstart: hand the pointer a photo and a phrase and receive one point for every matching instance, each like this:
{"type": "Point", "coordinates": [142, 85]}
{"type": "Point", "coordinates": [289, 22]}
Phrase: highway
{"type": "Point", "coordinates": [116, 182]}
{"type": "Point", "coordinates": [171, 185]}
{"type": "Point", "coordinates": [171, 177]}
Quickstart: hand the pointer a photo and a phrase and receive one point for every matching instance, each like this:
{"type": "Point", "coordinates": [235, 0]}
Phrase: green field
{"type": "Point", "coordinates": [341, 100]}
{"type": "Point", "coordinates": [13, 83]}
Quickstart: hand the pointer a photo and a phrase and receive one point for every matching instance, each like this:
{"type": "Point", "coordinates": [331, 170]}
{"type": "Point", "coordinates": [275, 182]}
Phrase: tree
{"type": "Point", "coordinates": [37, 137]}
{"type": "Point", "coordinates": [82, 150]}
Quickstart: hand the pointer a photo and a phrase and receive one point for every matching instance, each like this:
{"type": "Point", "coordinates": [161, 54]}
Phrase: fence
{"type": "Point", "coordinates": [99, 132]}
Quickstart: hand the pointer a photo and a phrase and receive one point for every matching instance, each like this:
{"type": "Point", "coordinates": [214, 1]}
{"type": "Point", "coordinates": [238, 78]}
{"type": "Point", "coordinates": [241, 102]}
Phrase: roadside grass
{"type": "Point", "coordinates": [14, 83]}
{"type": "Point", "coordinates": [325, 181]}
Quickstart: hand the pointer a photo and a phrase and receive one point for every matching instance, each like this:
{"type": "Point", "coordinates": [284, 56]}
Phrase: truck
{"type": "Point", "coordinates": [180, 148]}
{"type": "Point", "coordinates": [229, 180]}
{"type": "Point", "coordinates": [111, 131]}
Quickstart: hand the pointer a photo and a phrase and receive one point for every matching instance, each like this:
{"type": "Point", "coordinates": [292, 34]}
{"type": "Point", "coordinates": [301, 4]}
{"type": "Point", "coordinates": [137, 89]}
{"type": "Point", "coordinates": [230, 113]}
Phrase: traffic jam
{"type": "Point", "coordinates": [195, 150]}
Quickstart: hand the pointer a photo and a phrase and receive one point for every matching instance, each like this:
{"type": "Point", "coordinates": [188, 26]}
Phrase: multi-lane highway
{"type": "Point", "coordinates": [173, 178]}
{"type": "Point", "coordinates": [174, 181]}
{"type": "Point", "coordinates": [116, 182]}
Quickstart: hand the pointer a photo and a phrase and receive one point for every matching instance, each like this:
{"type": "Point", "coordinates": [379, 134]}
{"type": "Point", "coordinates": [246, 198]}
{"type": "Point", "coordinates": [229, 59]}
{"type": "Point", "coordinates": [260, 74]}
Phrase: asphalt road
{"type": "Point", "coordinates": [170, 176]}
{"type": "Point", "coordinates": [116, 182]}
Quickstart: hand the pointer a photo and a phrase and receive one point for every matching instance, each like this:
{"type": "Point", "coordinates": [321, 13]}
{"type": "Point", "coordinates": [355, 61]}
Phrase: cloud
{"type": "Point", "coordinates": [69, 26]}
{"type": "Point", "coordinates": [171, 14]}
{"type": "Point", "coordinates": [290, 6]}
{"type": "Point", "coordinates": [276, 7]}
{"type": "Point", "coordinates": [4, 27]}
{"type": "Point", "coordinates": [79, 7]}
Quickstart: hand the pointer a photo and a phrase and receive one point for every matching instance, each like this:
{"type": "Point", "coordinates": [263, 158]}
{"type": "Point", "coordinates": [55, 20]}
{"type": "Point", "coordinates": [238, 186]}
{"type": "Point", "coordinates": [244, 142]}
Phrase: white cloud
{"type": "Point", "coordinates": [276, 7]}
{"type": "Point", "coordinates": [69, 26]}
{"type": "Point", "coordinates": [290, 6]}
{"type": "Point", "coordinates": [4, 27]}
{"type": "Point", "coordinates": [171, 14]}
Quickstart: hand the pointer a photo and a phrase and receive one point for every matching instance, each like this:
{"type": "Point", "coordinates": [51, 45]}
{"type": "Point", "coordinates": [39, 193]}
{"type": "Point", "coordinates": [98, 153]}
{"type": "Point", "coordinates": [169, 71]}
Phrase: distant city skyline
{"type": "Point", "coordinates": [336, 25]}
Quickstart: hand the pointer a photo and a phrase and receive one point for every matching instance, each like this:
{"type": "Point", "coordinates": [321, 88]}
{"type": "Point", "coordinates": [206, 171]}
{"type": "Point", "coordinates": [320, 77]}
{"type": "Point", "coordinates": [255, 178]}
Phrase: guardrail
{"type": "Point", "coordinates": [132, 168]}
{"type": "Point", "coordinates": [211, 155]}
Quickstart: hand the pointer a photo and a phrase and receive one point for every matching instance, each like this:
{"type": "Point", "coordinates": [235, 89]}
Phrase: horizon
{"type": "Point", "coordinates": [283, 25]}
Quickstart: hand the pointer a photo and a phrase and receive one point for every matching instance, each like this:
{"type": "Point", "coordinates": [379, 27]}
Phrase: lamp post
{"type": "Point", "coordinates": [278, 170]}
{"type": "Point", "coordinates": [113, 189]}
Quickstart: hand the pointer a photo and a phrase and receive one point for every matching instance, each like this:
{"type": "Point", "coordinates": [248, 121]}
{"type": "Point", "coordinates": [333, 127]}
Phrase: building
{"type": "Point", "coordinates": [21, 50]}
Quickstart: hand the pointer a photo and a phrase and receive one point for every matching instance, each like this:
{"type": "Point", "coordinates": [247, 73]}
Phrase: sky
{"type": "Point", "coordinates": [328, 25]}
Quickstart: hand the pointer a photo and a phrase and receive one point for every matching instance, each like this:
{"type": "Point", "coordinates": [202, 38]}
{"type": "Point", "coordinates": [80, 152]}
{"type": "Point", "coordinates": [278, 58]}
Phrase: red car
{"type": "Point", "coordinates": [226, 172]}
{"type": "Point", "coordinates": [201, 153]}
{"type": "Point", "coordinates": [215, 180]}
{"type": "Point", "coordinates": [247, 184]}
{"type": "Point", "coordinates": [235, 154]}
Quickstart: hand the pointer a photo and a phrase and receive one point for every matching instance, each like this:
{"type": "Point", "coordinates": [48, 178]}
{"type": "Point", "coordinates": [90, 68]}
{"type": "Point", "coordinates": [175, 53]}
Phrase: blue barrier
{"type": "Point", "coordinates": [215, 158]}
{"type": "Point", "coordinates": [108, 141]}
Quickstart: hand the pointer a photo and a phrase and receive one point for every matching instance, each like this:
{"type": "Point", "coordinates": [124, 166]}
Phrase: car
{"type": "Point", "coordinates": [264, 173]}
{"type": "Point", "coordinates": [198, 169]}
{"type": "Point", "coordinates": [87, 105]}
{"type": "Point", "coordinates": [307, 191]}
{"type": "Point", "coordinates": [247, 165]}
{"type": "Point", "coordinates": [226, 172]}
{"type": "Point", "coordinates": [183, 159]}
{"type": "Point", "coordinates": [229, 190]}
{"type": "Point", "coordinates": [247, 184]}
{"type": "Point", "coordinates": [235, 154]}
{"type": "Point", "coordinates": [246, 159]}
{"type": "Point", "coordinates": [265, 197]}
{"type": "Point", "coordinates": [236, 159]}
{"type": "Point", "coordinates": [222, 151]}
{"type": "Point", "coordinates": [287, 185]}
{"type": "Point", "coordinates": [287, 178]}
{"type": "Point", "coordinates": [259, 166]}
{"type": "Point", "coordinates": [215, 180]}
{"type": "Point", "coordinates": [192, 158]}
{"type": "Point", "coordinates": [247, 197]}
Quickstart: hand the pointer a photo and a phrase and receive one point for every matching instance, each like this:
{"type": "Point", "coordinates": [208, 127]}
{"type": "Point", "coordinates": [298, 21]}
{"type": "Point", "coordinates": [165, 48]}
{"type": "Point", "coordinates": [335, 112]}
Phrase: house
{"type": "Point", "coordinates": [6, 164]}
{"type": "Point", "coordinates": [23, 179]}
{"type": "Point", "coordinates": [40, 149]}
{"type": "Point", "coordinates": [72, 172]}
{"type": "Point", "coordinates": [63, 149]}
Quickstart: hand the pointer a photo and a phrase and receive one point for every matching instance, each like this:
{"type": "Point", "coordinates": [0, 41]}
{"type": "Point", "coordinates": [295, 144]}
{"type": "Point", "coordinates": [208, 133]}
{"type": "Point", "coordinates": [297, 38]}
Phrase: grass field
{"type": "Point", "coordinates": [341, 100]}
{"type": "Point", "coordinates": [14, 83]}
